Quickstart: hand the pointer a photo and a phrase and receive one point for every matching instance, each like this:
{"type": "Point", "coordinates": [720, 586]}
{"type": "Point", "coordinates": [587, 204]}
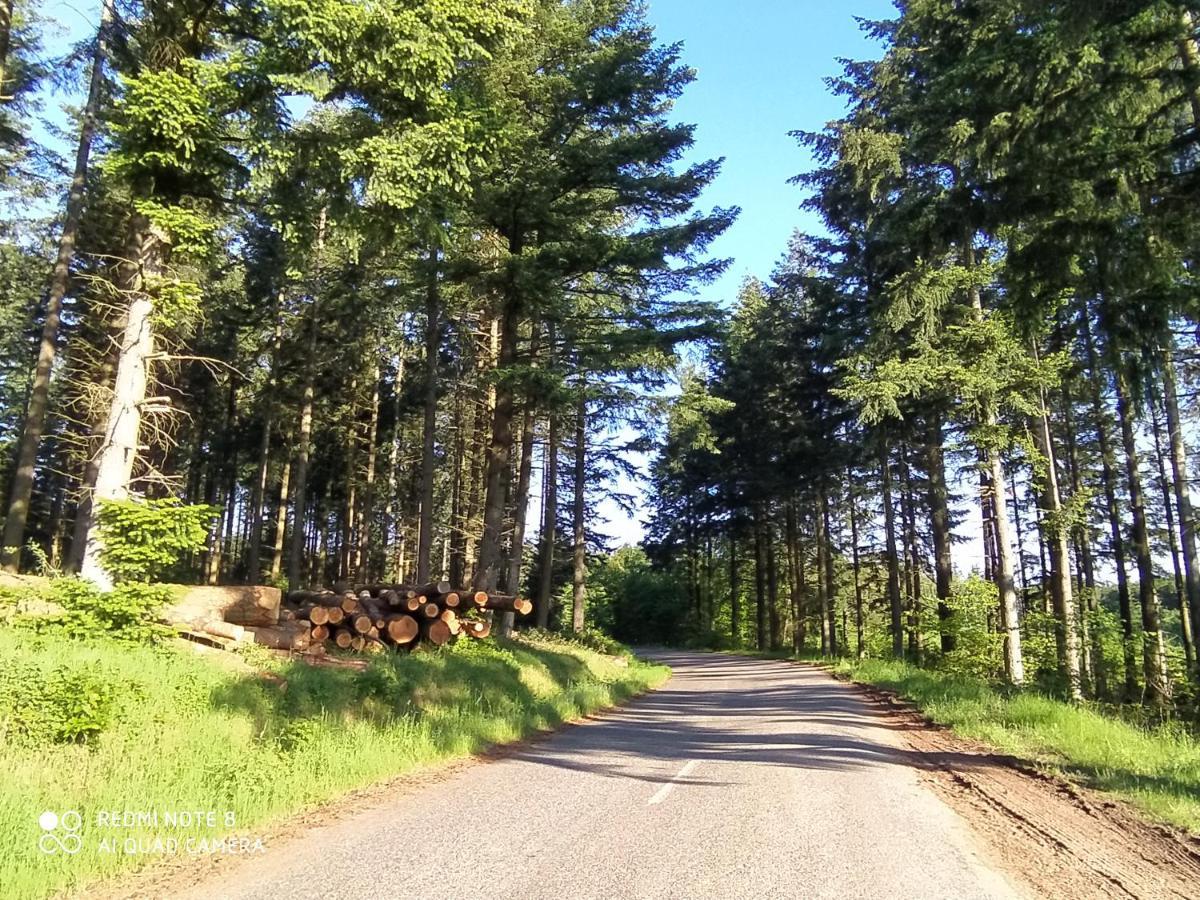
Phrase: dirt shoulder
{"type": "Point", "coordinates": [1055, 839]}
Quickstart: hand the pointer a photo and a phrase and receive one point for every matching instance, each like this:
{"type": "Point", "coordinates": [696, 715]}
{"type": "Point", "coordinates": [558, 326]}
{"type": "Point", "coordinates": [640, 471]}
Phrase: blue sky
{"type": "Point", "coordinates": [760, 67]}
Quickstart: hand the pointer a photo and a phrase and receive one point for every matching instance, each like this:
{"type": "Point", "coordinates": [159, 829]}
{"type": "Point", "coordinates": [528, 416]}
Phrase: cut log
{"type": "Point", "coordinates": [480, 598]}
{"type": "Point", "coordinates": [357, 643]}
{"type": "Point", "coordinates": [433, 589]}
{"type": "Point", "coordinates": [318, 615]}
{"type": "Point", "coordinates": [508, 604]}
{"type": "Point", "coordinates": [316, 648]}
{"type": "Point", "coordinates": [249, 605]}
{"type": "Point", "coordinates": [431, 610]}
{"type": "Point", "coordinates": [336, 615]}
{"type": "Point", "coordinates": [402, 629]}
{"type": "Point", "coordinates": [343, 639]}
{"type": "Point", "coordinates": [320, 632]}
{"type": "Point", "coordinates": [360, 623]}
{"type": "Point", "coordinates": [436, 632]}
{"type": "Point", "coordinates": [281, 637]}
{"type": "Point", "coordinates": [349, 603]}
{"type": "Point", "coordinates": [476, 628]}
{"type": "Point", "coordinates": [451, 600]}
{"type": "Point", "coordinates": [225, 630]}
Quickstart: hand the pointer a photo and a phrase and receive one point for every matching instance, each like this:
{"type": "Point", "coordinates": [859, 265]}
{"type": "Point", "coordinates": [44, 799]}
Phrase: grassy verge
{"type": "Point", "coordinates": [186, 734]}
{"type": "Point", "coordinates": [1157, 769]}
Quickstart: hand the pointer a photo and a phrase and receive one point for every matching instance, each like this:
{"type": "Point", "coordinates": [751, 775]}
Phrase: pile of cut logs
{"type": "Point", "coordinates": [371, 618]}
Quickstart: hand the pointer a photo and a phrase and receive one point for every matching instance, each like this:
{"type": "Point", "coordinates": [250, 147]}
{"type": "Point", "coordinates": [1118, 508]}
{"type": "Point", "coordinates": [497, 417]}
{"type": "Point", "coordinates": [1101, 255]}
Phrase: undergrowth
{"type": "Point", "coordinates": [97, 725]}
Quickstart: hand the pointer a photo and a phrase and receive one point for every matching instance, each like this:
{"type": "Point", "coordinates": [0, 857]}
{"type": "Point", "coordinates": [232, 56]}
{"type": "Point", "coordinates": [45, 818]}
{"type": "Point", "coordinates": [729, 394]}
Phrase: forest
{"type": "Point", "coordinates": [323, 279]}
{"type": "Point", "coordinates": [343, 291]}
{"type": "Point", "coordinates": [958, 426]}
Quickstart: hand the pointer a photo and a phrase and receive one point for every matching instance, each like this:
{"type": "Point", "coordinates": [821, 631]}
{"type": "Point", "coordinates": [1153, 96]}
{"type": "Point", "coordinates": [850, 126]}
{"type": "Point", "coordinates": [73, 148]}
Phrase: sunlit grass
{"type": "Point", "coordinates": [1156, 768]}
{"type": "Point", "coordinates": [195, 735]}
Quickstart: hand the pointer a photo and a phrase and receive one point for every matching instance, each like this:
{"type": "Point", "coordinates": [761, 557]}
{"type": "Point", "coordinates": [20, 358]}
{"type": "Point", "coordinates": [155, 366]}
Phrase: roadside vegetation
{"type": "Point", "coordinates": [108, 724]}
{"type": "Point", "coordinates": [1154, 767]}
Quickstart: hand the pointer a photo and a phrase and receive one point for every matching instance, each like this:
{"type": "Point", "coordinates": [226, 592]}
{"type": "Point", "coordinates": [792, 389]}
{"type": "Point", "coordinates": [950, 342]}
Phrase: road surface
{"type": "Point", "coordinates": [740, 778]}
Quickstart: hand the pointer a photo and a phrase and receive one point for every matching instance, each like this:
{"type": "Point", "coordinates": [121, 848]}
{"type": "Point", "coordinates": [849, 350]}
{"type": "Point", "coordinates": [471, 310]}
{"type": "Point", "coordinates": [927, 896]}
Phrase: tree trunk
{"type": "Point", "coordinates": [830, 584]}
{"type": "Point", "coordinates": [281, 515]}
{"type": "Point", "coordinates": [549, 519]}
{"type": "Point", "coordinates": [119, 450]}
{"type": "Point", "coordinates": [1168, 503]}
{"type": "Point", "coordinates": [579, 557]}
{"type": "Point", "coordinates": [859, 640]}
{"type": "Point", "coordinates": [1066, 629]}
{"type": "Point", "coordinates": [394, 539]}
{"type": "Point", "coordinates": [258, 493]}
{"type": "Point", "coordinates": [433, 343]}
{"type": "Point", "coordinates": [939, 521]}
{"type": "Point", "coordinates": [1154, 662]}
{"type": "Point", "coordinates": [60, 280]}
{"type": "Point", "coordinates": [303, 448]}
{"type": "Point", "coordinates": [6, 20]}
{"type": "Point", "coordinates": [1014, 666]}
{"type": "Point", "coordinates": [1182, 490]}
{"type": "Point", "coordinates": [735, 592]}
{"type": "Point", "coordinates": [913, 554]}
{"type": "Point", "coordinates": [1108, 476]}
{"type": "Point", "coordinates": [512, 580]}
{"type": "Point", "coordinates": [760, 584]}
{"type": "Point", "coordinates": [499, 452]}
{"type": "Point", "coordinates": [895, 605]}
{"type": "Point", "coordinates": [1093, 651]}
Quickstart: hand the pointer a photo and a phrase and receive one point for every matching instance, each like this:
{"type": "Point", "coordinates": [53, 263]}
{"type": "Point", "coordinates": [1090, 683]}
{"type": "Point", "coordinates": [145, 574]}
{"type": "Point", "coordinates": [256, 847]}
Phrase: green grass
{"type": "Point", "coordinates": [190, 734]}
{"type": "Point", "coordinates": [1157, 768]}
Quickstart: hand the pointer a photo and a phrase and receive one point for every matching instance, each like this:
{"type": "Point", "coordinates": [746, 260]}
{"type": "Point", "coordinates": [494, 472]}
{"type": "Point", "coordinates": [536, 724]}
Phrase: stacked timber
{"type": "Point", "coordinates": [373, 618]}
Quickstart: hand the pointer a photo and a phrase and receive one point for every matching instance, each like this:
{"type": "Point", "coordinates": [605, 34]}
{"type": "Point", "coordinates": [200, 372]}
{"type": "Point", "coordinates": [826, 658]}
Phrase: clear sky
{"type": "Point", "coordinates": [760, 69]}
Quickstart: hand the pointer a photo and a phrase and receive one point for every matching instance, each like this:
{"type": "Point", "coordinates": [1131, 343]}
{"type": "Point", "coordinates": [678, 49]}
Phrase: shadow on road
{"type": "Point", "coordinates": [735, 709]}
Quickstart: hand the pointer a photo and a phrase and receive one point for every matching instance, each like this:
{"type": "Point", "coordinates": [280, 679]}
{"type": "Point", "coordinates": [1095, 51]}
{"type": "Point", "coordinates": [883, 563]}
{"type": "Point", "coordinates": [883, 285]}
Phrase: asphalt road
{"type": "Point", "coordinates": [739, 778]}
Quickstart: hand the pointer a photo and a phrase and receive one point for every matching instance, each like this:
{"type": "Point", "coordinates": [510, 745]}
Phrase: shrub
{"type": "Point", "coordinates": [62, 705]}
{"type": "Point", "coordinates": [143, 539]}
{"type": "Point", "coordinates": [128, 612]}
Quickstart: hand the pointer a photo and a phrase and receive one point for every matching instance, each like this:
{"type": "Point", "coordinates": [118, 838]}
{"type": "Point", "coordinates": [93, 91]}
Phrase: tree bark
{"type": "Point", "coordinates": [303, 448]}
{"type": "Point", "coordinates": [549, 519]}
{"type": "Point", "coordinates": [1108, 469]}
{"type": "Point", "coordinates": [939, 521]}
{"type": "Point", "coordinates": [1014, 666]}
{"type": "Point", "coordinates": [258, 492]}
{"type": "Point", "coordinates": [830, 584]}
{"type": "Point", "coordinates": [1056, 535]}
{"type": "Point", "coordinates": [856, 560]}
{"type": "Point", "coordinates": [512, 580]}
{"type": "Point", "coordinates": [1154, 662]}
{"type": "Point", "coordinates": [367, 509]}
{"type": "Point", "coordinates": [499, 452]}
{"type": "Point", "coordinates": [760, 584]}
{"type": "Point", "coordinates": [145, 258]}
{"type": "Point", "coordinates": [433, 343]}
{"type": "Point", "coordinates": [735, 591]}
{"type": "Point", "coordinates": [1183, 497]}
{"type": "Point", "coordinates": [39, 395]}
{"type": "Point", "coordinates": [895, 605]}
{"type": "Point", "coordinates": [579, 557]}
{"type": "Point", "coordinates": [281, 515]}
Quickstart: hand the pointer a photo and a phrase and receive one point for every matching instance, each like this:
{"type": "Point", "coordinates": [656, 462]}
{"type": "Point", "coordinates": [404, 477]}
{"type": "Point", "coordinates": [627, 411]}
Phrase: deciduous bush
{"type": "Point", "coordinates": [59, 705]}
